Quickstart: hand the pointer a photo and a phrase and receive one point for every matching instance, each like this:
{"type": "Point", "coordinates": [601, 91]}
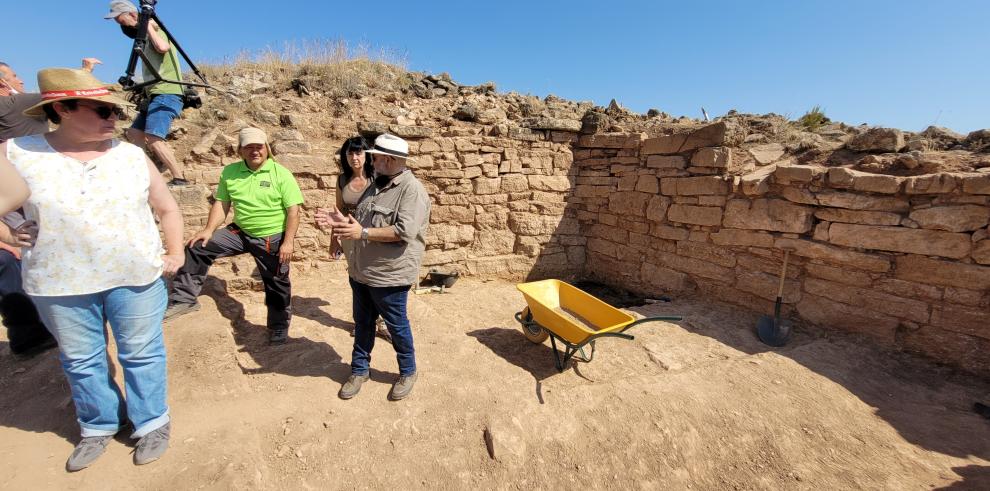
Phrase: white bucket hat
{"type": "Point", "coordinates": [392, 145]}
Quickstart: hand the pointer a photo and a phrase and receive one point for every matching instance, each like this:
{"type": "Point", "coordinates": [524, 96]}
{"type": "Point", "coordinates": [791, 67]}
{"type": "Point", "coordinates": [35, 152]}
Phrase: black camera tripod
{"type": "Point", "coordinates": [137, 52]}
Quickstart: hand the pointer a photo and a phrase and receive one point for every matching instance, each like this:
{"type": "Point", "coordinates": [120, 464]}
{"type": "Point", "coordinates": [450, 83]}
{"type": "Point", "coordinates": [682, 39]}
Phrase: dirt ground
{"type": "Point", "coordinates": [698, 404]}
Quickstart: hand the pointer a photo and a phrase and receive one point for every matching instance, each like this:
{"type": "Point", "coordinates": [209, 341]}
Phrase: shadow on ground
{"type": "Point", "coordinates": [300, 356]}
{"type": "Point", "coordinates": [929, 405]}
{"type": "Point", "coordinates": [57, 416]}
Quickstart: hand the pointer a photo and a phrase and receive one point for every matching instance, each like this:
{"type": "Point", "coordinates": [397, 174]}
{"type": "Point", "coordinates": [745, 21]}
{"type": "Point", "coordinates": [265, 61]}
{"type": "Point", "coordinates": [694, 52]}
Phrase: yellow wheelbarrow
{"type": "Point", "coordinates": [565, 313]}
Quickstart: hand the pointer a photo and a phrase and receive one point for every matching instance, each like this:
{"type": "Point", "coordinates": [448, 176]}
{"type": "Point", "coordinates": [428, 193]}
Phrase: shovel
{"type": "Point", "coordinates": [772, 330]}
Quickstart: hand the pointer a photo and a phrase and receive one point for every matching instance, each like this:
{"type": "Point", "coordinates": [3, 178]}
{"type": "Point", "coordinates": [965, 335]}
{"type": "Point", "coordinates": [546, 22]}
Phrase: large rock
{"type": "Point", "coordinates": [656, 209]}
{"type": "Point", "coordinates": [664, 279]}
{"type": "Point", "coordinates": [835, 255]}
{"type": "Point", "coordinates": [785, 174]}
{"type": "Point", "coordinates": [411, 131]}
{"type": "Point", "coordinates": [945, 273]}
{"type": "Point", "coordinates": [549, 183]}
{"type": "Point", "coordinates": [963, 218]}
{"type": "Point", "coordinates": [555, 124]}
{"type": "Point", "coordinates": [768, 214]}
{"type": "Point", "coordinates": [879, 140]}
{"type": "Point", "coordinates": [976, 183]}
{"type": "Point", "coordinates": [533, 224]}
{"type": "Point", "coordinates": [697, 215]}
{"type": "Point", "coordinates": [861, 217]}
{"type": "Point", "coordinates": [628, 203]}
{"type": "Point", "coordinates": [719, 157]}
{"type": "Point", "coordinates": [900, 239]}
{"type": "Point", "coordinates": [466, 112]}
{"type": "Point", "coordinates": [981, 251]}
{"type": "Point", "coordinates": [857, 201]}
{"type": "Point", "coordinates": [842, 177]}
{"type": "Point", "coordinates": [939, 138]}
{"type": "Point", "coordinates": [693, 186]}
{"type": "Point", "coordinates": [930, 184]}
{"type": "Point", "coordinates": [757, 183]}
{"type": "Point", "coordinates": [747, 238]}
{"type": "Point", "coordinates": [713, 135]}
{"type": "Point", "coordinates": [666, 162]}
{"type": "Point", "coordinates": [979, 140]}
{"type": "Point", "coordinates": [610, 140]}
{"type": "Point", "coordinates": [768, 153]}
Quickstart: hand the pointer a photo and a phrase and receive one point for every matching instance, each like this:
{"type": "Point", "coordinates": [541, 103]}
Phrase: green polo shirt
{"type": "Point", "coordinates": [259, 197]}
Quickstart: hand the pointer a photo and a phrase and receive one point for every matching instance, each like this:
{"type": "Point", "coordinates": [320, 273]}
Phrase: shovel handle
{"type": "Point", "coordinates": [783, 274]}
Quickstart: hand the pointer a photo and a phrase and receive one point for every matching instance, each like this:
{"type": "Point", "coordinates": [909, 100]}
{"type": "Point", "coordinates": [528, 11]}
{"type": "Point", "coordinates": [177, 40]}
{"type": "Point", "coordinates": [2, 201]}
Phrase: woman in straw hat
{"type": "Point", "coordinates": [96, 258]}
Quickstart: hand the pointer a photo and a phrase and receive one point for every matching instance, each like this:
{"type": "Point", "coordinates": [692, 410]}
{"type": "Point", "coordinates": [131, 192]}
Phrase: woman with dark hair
{"type": "Point", "coordinates": [356, 174]}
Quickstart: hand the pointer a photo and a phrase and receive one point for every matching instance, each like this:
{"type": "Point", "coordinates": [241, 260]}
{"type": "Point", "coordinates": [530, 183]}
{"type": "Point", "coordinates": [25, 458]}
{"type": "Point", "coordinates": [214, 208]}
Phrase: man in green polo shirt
{"type": "Point", "coordinates": [266, 199]}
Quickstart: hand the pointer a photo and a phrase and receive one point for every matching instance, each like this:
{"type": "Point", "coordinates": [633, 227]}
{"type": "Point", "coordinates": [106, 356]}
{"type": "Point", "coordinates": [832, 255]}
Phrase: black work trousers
{"type": "Point", "coordinates": [231, 241]}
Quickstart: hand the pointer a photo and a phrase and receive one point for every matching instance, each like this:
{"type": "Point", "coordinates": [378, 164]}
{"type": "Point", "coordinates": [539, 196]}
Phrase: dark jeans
{"type": "Point", "coordinates": [24, 328]}
{"type": "Point", "coordinates": [390, 303]}
{"type": "Point", "coordinates": [231, 241]}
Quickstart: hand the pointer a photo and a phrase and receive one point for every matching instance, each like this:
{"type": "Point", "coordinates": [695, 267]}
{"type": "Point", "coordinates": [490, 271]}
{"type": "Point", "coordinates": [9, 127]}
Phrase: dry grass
{"type": "Point", "coordinates": [331, 66]}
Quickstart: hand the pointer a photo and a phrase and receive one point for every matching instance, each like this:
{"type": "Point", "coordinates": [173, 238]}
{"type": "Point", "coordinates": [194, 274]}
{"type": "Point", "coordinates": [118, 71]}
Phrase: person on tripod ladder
{"type": "Point", "coordinates": [163, 100]}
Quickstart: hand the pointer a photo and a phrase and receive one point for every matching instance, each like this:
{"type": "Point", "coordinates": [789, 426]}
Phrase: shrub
{"type": "Point", "coordinates": [813, 119]}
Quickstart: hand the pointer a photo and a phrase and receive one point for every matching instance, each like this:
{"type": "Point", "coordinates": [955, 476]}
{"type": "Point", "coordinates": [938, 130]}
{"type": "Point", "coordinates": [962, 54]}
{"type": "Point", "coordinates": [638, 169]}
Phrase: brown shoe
{"type": "Point", "coordinates": [402, 387]}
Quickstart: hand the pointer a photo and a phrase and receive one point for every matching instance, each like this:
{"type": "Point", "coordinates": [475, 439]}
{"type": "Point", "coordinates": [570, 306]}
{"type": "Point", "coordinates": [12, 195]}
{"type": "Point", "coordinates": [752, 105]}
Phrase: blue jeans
{"type": "Point", "coordinates": [157, 120]}
{"type": "Point", "coordinates": [135, 316]}
{"type": "Point", "coordinates": [390, 303]}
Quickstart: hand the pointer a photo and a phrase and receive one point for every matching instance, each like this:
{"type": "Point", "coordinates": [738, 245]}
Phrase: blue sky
{"type": "Point", "coordinates": [903, 63]}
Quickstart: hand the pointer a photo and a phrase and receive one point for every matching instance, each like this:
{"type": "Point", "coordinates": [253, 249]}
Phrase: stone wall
{"type": "Point", "coordinates": [902, 260]}
{"type": "Point", "coordinates": [499, 194]}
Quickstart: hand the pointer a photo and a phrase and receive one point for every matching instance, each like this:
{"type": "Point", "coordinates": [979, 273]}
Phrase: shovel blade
{"type": "Point", "coordinates": [771, 332]}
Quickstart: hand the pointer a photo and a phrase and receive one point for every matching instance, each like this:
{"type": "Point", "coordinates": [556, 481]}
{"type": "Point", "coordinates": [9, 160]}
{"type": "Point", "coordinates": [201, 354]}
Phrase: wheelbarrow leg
{"type": "Point", "coordinates": [557, 362]}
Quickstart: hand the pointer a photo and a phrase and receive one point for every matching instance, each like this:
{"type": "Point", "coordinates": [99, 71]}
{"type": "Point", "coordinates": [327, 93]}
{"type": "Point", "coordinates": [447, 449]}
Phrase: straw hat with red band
{"type": "Point", "coordinates": [59, 84]}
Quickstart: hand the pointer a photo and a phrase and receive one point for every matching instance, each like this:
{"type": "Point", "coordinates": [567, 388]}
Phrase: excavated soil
{"type": "Point", "coordinates": [697, 404]}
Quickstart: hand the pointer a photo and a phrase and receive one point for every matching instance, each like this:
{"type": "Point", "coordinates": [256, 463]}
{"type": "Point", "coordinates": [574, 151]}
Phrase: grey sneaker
{"type": "Point", "coordinates": [352, 386]}
{"type": "Point", "coordinates": [402, 387]}
{"type": "Point", "coordinates": [176, 309]}
{"type": "Point", "coordinates": [87, 451]}
{"type": "Point", "coordinates": [152, 446]}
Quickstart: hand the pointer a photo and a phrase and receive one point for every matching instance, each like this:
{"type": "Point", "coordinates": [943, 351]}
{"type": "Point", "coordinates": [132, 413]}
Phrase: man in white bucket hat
{"type": "Point", "coordinates": [385, 239]}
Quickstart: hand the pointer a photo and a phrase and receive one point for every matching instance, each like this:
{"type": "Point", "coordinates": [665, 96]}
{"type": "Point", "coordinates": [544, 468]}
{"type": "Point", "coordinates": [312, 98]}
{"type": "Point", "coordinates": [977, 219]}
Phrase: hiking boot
{"type": "Point", "coordinates": [278, 336]}
{"type": "Point", "coordinates": [87, 451]}
{"type": "Point", "coordinates": [352, 386]}
{"type": "Point", "coordinates": [175, 309]}
{"type": "Point", "coordinates": [177, 182]}
{"type": "Point", "coordinates": [402, 387]}
{"type": "Point", "coordinates": [152, 446]}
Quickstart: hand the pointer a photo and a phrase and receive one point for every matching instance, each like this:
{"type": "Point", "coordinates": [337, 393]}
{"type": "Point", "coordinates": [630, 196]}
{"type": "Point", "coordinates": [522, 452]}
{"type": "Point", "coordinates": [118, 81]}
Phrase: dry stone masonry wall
{"type": "Point", "coordinates": [902, 260]}
{"type": "Point", "coordinates": [892, 244]}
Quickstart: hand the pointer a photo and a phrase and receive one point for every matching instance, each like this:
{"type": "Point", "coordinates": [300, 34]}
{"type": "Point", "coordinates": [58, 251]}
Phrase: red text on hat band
{"type": "Point", "coordinates": [60, 94]}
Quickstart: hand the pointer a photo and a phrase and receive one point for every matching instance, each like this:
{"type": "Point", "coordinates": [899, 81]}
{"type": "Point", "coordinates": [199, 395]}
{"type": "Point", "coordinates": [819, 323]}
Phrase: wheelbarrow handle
{"type": "Point", "coordinates": [651, 319]}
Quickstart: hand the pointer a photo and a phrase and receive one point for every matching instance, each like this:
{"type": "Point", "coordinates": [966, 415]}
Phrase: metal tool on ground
{"type": "Point", "coordinates": [439, 282]}
{"type": "Point", "coordinates": [576, 319]}
{"type": "Point", "coordinates": [775, 331]}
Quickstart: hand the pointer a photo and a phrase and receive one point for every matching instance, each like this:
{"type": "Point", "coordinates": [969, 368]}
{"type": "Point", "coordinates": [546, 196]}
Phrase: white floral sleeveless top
{"type": "Point", "coordinates": [96, 228]}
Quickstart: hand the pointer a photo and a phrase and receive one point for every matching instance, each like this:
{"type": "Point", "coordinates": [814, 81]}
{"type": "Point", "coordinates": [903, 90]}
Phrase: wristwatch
{"type": "Point", "coordinates": [364, 234]}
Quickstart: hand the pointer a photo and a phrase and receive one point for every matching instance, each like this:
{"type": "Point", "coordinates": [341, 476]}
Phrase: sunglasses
{"type": "Point", "coordinates": [105, 112]}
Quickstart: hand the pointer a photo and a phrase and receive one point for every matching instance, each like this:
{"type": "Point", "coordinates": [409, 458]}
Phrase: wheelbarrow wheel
{"type": "Point", "coordinates": [534, 332]}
